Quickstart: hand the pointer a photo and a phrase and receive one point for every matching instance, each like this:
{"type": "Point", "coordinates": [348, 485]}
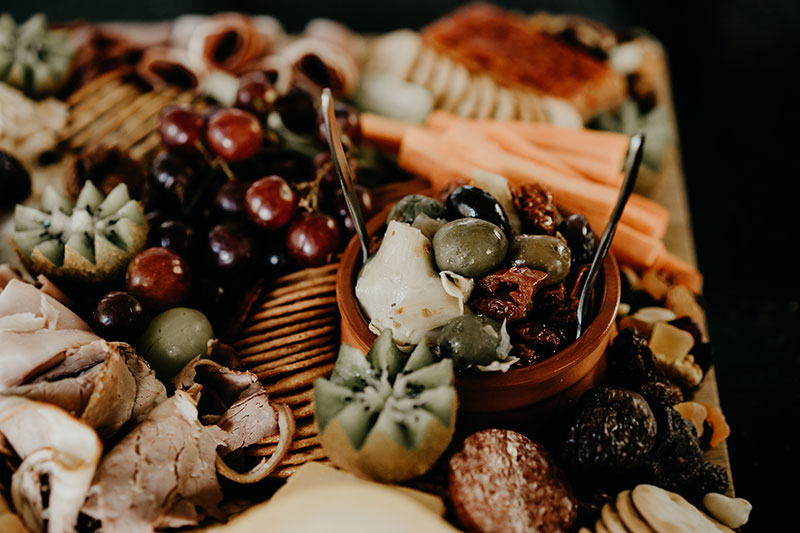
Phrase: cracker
{"type": "Point", "coordinates": [257, 355]}
{"type": "Point", "coordinates": [506, 108]}
{"type": "Point", "coordinates": [290, 318]}
{"type": "Point", "coordinates": [394, 53]}
{"type": "Point", "coordinates": [300, 379]}
{"type": "Point", "coordinates": [599, 527]}
{"type": "Point", "coordinates": [611, 520]}
{"type": "Point", "coordinates": [469, 103]}
{"type": "Point", "coordinates": [297, 365]}
{"type": "Point", "coordinates": [297, 398]}
{"type": "Point", "coordinates": [298, 295]}
{"type": "Point", "coordinates": [439, 80]}
{"type": "Point", "coordinates": [668, 512]}
{"type": "Point", "coordinates": [325, 302]}
{"type": "Point", "coordinates": [487, 97]}
{"type": "Point", "coordinates": [283, 341]}
{"type": "Point", "coordinates": [629, 515]}
{"type": "Point", "coordinates": [457, 87]}
{"type": "Point", "coordinates": [304, 411]}
{"type": "Point", "coordinates": [306, 273]}
{"type": "Point", "coordinates": [286, 331]}
{"type": "Point", "coordinates": [329, 279]}
{"type": "Point", "coordinates": [292, 358]}
{"type": "Point", "coordinates": [302, 431]}
{"type": "Point", "coordinates": [297, 444]}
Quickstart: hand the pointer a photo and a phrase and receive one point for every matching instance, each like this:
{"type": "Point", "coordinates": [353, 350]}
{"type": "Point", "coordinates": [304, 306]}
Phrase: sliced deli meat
{"type": "Point", "coordinates": [59, 456]}
{"type": "Point", "coordinates": [161, 474]}
{"type": "Point", "coordinates": [48, 354]}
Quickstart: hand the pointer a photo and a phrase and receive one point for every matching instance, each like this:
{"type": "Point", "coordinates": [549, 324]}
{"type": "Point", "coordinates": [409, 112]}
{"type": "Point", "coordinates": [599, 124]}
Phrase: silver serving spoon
{"type": "Point", "coordinates": [339, 160]}
{"type": "Point", "coordinates": [632, 163]}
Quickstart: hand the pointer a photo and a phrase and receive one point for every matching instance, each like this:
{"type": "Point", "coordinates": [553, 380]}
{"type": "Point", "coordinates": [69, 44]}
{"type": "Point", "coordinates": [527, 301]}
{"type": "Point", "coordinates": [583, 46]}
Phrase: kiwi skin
{"type": "Point", "coordinates": [381, 458]}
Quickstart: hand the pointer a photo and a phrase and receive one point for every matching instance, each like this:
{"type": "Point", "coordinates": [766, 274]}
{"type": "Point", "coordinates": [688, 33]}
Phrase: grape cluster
{"type": "Point", "coordinates": [236, 203]}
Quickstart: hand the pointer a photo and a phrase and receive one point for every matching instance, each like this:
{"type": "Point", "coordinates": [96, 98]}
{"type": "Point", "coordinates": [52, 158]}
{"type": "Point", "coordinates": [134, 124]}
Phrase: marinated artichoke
{"type": "Point", "coordinates": [385, 416]}
{"type": "Point", "coordinates": [89, 241]}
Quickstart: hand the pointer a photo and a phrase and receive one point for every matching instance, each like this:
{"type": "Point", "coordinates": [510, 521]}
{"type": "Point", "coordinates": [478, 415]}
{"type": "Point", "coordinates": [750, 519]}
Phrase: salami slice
{"type": "Point", "coordinates": [500, 480]}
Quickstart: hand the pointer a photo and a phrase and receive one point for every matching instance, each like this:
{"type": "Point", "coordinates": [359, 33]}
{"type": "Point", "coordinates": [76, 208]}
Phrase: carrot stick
{"type": "Point", "coordinates": [422, 152]}
{"type": "Point", "coordinates": [518, 146]}
{"type": "Point", "coordinates": [604, 145]}
{"type": "Point", "coordinates": [580, 195]}
{"type": "Point", "coordinates": [383, 131]}
{"type": "Point", "coordinates": [631, 247]}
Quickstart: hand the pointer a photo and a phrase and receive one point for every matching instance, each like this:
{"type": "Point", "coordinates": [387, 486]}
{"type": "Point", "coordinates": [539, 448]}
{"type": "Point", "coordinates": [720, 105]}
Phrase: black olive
{"type": "Point", "coordinates": [15, 182]}
{"type": "Point", "coordinates": [472, 202]}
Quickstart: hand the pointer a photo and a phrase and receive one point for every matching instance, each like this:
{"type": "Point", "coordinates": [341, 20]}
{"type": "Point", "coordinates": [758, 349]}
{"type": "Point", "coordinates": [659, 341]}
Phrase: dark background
{"type": "Point", "coordinates": [733, 68]}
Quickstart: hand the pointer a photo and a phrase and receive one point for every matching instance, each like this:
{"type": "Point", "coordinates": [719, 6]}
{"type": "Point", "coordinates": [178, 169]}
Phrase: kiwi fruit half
{"type": "Point", "coordinates": [91, 240]}
{"type": "Point", "coordinates": [386, 416]}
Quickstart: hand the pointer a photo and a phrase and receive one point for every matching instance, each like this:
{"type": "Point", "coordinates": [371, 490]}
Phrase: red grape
{"type": "Point", "coordinates": [312, 239]}
{"type": "Point", "coordinates": [180, 127]}
{"type": "Point", "coordinates": [256, 93]}
{"type": "Point", "coordinates": [270, 202]}
{"type": "Point", "coordinates": [158, 277]}
{"type": "Point", "coordinates": [234, 135]}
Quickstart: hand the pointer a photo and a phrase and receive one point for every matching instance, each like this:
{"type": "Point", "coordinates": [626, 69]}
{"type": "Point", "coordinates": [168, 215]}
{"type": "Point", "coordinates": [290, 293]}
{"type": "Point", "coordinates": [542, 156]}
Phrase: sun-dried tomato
{"type": "Point", "coordinates": [536, 209]}
{"type": "Point", "coordinates": [542, 339]}
{"type": "Point", "coordinates": [507, 294]}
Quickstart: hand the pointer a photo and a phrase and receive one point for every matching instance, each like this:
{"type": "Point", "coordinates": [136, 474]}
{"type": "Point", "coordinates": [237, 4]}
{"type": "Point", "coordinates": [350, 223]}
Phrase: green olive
{"type": "Point", "coordinates": [470, 340]}
{"type": "Point", "coordinates": [542, 252]}
{"type": "Point", "coordinates": [469, 246]}
{"type": "Point", "coordinates": [173, 338]}
{"type": "Point", "coordinates": [408, 207]}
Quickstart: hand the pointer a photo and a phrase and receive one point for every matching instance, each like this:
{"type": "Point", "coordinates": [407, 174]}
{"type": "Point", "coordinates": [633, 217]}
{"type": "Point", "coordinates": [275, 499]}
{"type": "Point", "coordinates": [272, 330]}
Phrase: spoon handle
{"type": "Point", "coordinates": [339, 160]}
{"type": "Point", "coordinates": [632, 163]}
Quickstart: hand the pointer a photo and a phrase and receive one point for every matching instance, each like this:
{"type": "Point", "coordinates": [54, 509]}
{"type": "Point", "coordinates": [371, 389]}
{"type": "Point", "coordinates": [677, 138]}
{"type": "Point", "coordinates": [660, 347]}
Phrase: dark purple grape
{"type": "Point", "coordinates": [276, 259]}
{"type": "Point", "coordinates": [173, 175]}
{"type": "Point", "coordinates": [231, 250]}
{"type": "Point", "coordinates": [230, 198]}
{"type": "Point", "coordinates": [348, 122]}
{"type": "Point", "coordinates": [119, 317]}
{"type": "Point", "coordinates": [180, 127]}
{"type": "Point", "coordinates": [15, 182]}
{"type": "Point", "coordinates": [176, 235]}
{"type": "Point", "coordinates": [312, 239]}
{"type": "Point", "coordinates": [297, 110]}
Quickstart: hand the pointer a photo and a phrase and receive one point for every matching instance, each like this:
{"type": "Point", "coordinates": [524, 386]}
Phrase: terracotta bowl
{"type": "Point", "coordinates": [524, 393]}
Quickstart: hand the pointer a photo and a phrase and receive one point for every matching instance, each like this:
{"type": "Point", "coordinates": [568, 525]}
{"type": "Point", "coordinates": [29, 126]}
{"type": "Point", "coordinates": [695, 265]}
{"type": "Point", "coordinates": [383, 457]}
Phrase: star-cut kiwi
{"type": "Point", "coordinates": [386, 416]}
{"type": "Point", "coordinates": [90, 241]}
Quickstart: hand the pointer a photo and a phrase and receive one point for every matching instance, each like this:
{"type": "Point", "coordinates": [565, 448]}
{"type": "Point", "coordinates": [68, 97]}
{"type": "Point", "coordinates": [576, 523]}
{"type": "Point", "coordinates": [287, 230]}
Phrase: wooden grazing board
{"type": "Point", "coordinates": [110, 113]}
